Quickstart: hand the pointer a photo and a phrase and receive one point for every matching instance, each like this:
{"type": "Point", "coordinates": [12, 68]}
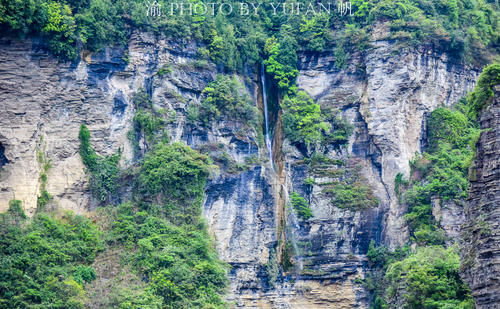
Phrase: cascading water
{"type": "Point", "coordinates": [267, 137]}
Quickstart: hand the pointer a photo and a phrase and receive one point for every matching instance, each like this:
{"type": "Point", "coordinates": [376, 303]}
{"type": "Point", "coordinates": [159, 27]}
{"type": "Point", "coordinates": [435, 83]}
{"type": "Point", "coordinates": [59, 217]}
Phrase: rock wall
{"type": "Point", "coordinates": [385, 95]}
{"type": "Point", "coordinates": [43, 104]}
{"type": "Point", "coordinates": [481, 241]}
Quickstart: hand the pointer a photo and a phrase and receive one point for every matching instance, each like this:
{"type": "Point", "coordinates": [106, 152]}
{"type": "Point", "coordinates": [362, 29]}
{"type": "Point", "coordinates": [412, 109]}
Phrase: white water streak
{"type": "Point", "coordinates": [267, 137]}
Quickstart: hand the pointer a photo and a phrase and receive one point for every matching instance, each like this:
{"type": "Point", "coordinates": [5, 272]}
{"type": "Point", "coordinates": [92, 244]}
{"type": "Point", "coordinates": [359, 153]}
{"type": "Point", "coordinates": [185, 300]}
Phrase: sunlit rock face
{"type": "Point", "coordinates": [385, 94]}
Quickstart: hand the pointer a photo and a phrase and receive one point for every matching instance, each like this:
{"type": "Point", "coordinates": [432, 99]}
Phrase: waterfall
{"type": "Point", "coordinates": [266, 115]}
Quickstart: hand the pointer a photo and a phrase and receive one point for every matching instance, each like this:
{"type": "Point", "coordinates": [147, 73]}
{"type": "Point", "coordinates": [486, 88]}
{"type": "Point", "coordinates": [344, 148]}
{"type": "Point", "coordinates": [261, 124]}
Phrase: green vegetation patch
{"type": "Point", "coordinates": [301, 206]}
{"type": "Point", "coordinates": [104, 171]}
{"type": "Point", "coordinates": [350, 190]}
{"type": "Point", "coordinates": [226, 96]}
{"type": "Point", "coordinates": [441, 172]}
{"type": "Point", "coordinates": [430, 278]}
{"type": "Point", "coordinates": [483, 92]}
{"type": "Point", "coordinates": [45, 261]}
{"type": "Point", "coordinates": [302, 119]}
{"type": "Point", "coordinates": [180, 262]}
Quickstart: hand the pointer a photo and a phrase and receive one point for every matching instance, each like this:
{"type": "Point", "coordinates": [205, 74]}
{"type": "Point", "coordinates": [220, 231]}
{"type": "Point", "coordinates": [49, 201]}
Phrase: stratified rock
{"type": "Point", "coordinates": [481, 233]}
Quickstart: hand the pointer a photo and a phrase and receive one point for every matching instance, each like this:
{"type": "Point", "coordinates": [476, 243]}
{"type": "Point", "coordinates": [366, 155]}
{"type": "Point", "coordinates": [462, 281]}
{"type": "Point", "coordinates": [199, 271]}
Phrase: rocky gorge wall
{"type": "Point", "coordinates": [385, 95]}
{"type": "Point", "coordinates": [480, 239]}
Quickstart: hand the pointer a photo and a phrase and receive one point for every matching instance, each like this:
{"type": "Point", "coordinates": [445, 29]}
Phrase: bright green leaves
{"type": "Point", "coordinates": [305, 122]}
{"type": "Point", "coordinates": [84, 274]}
{"type": "Point", "coordinates": [60, 27]}
{"type": "Point", "coordinates": [302, 119]}
{"type": "Point", "coordinates": [430, 278]}
{"type": "Point", "coordinates": [179, 261]}
{"type": "Point", "coordinates": [483, 92]}
{"type": "Point", "coordinates": [175, 170]}
{"type": "Point", "coordinates": [282, 61]}
{"type": "Point", "coordinates": [87, 153]}
{"type": "Point", "coordinates": [176, 175]}
{"type": "Point", "coordinates": [104, 171]}
{"type": "Point", "coordinates": [448, 126]}
{"type": "Point", "coordinates": [226, 96]}
{"type": "Point", "coordinates": [59, 17]}
{"type": "Point", "coordinates": [442, 172]}
{"type": "Point", "coordinates": [301, 206]}
{"type": "Point", "coordinates": [315, 32]}
{"type": "Point", "coordinates": [42, 261]}
{"type": "Point", "coordinates": [99, 24]}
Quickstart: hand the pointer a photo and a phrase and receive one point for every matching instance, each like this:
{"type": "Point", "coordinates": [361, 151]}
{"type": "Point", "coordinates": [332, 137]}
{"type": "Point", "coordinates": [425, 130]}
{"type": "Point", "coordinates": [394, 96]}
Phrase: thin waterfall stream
{"type": "Point", "coordinates": [267, 136]}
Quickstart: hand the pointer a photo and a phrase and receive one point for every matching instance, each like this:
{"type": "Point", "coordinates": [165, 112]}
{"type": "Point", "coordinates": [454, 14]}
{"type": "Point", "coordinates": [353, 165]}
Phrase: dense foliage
{"type": "Point", "coordinates": [175, 175]}
{"type": "Point", "coordinates": [465, 29]}
{"type": "Point", "coordinates": [483, 92]}
{"type": "Point", "coordinates": [164, 230]}
{"type": "Point", "coordinates": [104, 171]}
{"type": "Point", "coordinates": [44, 262]}
{"type": "Point", "coordinates": [179, 261]}
{"type": "Point", "coordinates": [226, 96]}
{"type": "Point", "coordinates": [169, 244]}
{"type": "Point", "coordinates": [442, 172]}
{"type": "Point", "coordinates": [302, 119]}
{"type": "Point", "coordinates": [428, 277]}
{"type": "Point", "coordinates": [301, 206]}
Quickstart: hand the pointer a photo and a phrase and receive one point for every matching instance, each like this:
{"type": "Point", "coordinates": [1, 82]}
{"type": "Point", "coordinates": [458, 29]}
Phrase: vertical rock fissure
{"type": "Point", "coordinates": [3, 158]}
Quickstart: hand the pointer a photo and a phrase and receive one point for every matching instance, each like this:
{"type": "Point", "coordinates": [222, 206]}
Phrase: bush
{"type": "Point", "coordinates": [176, 174]}
{"type": "Point", "coordinates": [350, 191]}
{"type": "Point", "coordinates": [315, 32]}
{"type": "Point", "coordinates": [84, 274]}
{"type": "Point", "coordinates": [340, 129]}
{"type": "Point", "coordinates": [179, 262]}
{"type": "Point", "coordinates": [282, 61]}
{"type": "Point", "coordinates": [16, 209]}
{"type": "Point", "coordinates": [301, 206]}
{"type": "Point", "coordinates": [447, 126]}
{"type": "Point", "coordinates": [104, 172]}
{"type": "Point", "coordinates": [302, 119]}
{"type": "Point", "coordinates": [483, 92]}
{"type": "Point", "coordinates": [226, 96]}
{"type": "Point", "coordinates": [38, 260]}
{"type": "Point", "coordinates": [355, 196]}
{"type": "Point", "coordinates": [148, 121]}
{"type": "Point", "coordinates": [430, 279]}
{"type": "Point", "coordinates": [443, 170]}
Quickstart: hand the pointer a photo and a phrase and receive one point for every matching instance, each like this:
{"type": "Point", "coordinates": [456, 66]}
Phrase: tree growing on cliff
{"type": "Point", "coordinates": [302, 119]}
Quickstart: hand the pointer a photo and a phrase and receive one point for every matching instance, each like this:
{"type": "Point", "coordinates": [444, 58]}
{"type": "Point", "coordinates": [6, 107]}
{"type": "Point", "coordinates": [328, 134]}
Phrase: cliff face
{"type": "Point", "coordinates": [481, 251]}
{"type": "Point", "coordinates": [385, 96]}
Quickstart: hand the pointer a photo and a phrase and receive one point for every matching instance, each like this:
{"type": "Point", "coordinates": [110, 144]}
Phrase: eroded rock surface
{"type": "Point", "coordinates": [481, 239]}
{"type": "Point", "coordinates": [385, 95]}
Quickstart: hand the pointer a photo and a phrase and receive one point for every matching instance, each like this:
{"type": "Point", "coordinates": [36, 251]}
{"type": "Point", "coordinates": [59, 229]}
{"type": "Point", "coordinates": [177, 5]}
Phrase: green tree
{"type": "Point", "coordinates": [226, 96]}
{"type": "Point", "coordinates": [302, 119]}
{"type": "Point", "coordinates": [430, 279]}
{"type": "Point", "coordinates": [301, 206]}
